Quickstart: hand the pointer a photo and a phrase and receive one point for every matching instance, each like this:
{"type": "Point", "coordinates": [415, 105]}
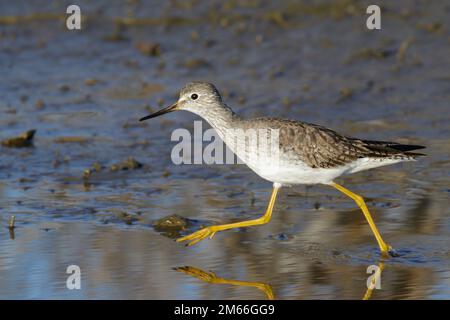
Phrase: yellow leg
{"type": "Point", "coordinates": [211, 231]}
{"type": "Point", "coordinates": [362, 205]}
{"type": "Point", "coordinates": [211, 277]}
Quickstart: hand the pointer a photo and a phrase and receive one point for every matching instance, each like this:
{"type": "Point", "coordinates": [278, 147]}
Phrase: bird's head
{"type": "Point", "coordinates": [195, 97]}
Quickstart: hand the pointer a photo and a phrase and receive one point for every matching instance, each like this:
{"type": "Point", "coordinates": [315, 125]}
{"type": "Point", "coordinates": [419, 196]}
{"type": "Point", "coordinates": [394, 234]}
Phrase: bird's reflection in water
{"type": "Point", "coordinates": [374, 280]}
{"type": "Point", "coordinates": [211, 277]}
{"type": "Point", "coordinates": [12, 235]}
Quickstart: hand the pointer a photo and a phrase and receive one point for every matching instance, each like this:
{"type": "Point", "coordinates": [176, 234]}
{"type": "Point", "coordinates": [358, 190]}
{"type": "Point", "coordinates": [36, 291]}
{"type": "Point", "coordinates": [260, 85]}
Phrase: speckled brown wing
{"type": "Point", "coordinates": [320, 147]}
{"type": "Point", "coordinates": [317, 146]}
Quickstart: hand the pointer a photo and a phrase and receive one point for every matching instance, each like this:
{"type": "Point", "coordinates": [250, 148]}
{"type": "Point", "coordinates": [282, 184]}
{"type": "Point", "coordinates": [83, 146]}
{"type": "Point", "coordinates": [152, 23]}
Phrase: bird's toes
{"type": "Point", "coordinates": [193, 242]}
{"type": "Point", "coordinates": [189, 236]}
{"type": "Point", "coordinates": [196, 236]}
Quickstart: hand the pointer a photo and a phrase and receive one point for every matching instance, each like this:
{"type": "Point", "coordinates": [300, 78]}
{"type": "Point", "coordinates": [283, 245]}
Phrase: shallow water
{"type": "Point", "coordinates": [317, 63]}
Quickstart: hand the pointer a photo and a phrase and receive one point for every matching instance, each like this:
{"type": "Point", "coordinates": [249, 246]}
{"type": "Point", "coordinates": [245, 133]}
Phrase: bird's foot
{"type": "Point", "coordinates": [388, 251]}
{"type": "Point", "coordinates": [392, 252]}
{"type": "Point", "coordinates": [199, 235]}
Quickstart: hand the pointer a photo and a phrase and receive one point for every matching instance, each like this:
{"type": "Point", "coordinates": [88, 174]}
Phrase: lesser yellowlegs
{"type": "Point", "coordinates": [307, 153]}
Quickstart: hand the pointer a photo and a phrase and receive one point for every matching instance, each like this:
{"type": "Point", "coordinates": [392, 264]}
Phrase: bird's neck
{"type": "Point", "coordinates": [220, 117]}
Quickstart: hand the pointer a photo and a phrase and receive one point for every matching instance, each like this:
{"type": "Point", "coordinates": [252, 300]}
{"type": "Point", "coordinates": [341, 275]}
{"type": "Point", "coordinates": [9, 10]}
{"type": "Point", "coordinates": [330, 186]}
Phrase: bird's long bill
{"type": "Point", "coordinates": [168, 109]}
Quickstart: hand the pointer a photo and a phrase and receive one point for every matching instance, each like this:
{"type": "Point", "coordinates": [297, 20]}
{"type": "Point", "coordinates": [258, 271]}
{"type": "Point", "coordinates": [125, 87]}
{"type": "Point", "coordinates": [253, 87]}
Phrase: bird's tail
{"type": "Point", "coordinates": [392, 149]}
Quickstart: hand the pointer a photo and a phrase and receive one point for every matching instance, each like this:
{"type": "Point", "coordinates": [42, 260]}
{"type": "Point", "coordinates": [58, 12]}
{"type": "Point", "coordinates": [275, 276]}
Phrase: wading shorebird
{"type": "Point", "coordinates": [307, 153]}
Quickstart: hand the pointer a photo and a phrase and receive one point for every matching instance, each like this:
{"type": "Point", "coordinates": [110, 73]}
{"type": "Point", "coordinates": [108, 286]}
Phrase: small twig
{"type": "Point", "coordinates": [11, 222]}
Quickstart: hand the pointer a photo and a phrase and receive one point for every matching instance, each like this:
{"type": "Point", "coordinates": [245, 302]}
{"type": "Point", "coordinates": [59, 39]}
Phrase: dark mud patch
{"type": "Point", "coordinates": [23, 141]}
{"type": "Point", "coordinates": [174, 226]}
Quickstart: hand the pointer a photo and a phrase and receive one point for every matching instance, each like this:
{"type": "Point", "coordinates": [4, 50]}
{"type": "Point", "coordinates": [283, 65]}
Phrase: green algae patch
{"type": "Point", "coordinates": [171, 226]}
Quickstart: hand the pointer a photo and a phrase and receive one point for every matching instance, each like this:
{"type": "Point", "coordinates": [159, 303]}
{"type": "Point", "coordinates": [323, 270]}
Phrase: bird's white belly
{"type": "Point", "coordinates": [300, 173]}
{"type": "Point", "coordinates": [297, 174]}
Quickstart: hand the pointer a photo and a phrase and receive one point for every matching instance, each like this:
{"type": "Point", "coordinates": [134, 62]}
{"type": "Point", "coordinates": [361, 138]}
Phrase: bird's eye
{"type": "Point", "coordinates": [194, 96]}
